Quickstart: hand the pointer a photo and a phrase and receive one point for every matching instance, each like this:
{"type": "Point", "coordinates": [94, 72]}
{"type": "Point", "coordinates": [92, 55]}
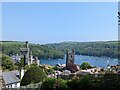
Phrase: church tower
{"type": "Point", "coordinates": [70, 56]}
{"type": "Point", "coordinates": [70, 59]}
{"type": "Point", "coordinates": [25, 54]}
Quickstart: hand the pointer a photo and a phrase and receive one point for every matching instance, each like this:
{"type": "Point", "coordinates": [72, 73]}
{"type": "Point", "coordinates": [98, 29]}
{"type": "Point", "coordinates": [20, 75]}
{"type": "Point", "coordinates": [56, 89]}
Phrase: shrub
{"type": "Point", "coordinates": [7, 62]}
{"type": "Point", "coordinates": [85, 65]}
{"type": "Point", "coordinates": [48, 84]}
{"type": "Point", "coordinates": [54, 84]}
{"type": "Point", "coordinates": [33, 75]}
{"type": "Point", "coordinates": [111, 81]}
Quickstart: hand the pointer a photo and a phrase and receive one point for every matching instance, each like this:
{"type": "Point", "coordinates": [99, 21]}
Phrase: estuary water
{"type": "Point", "coordinates": [79, 59]}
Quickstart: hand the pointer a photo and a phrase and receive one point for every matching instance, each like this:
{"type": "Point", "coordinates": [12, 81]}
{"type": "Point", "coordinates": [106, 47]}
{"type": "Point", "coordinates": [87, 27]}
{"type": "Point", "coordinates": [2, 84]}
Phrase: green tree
{"type": "Point", "coordinates": [33, 75]}
{"type": "Point", "coordinates": [41, 51]}
{"type": "Point", "coordinates": [84, 82]}
{"type": "Point", "coordinates": [85, 65]}
{"type": "Point", "coordinates": [7, 63]}
{"type": "Point", "coordinates": [54, 84]}
{"type": "Point", "coordinates": [48, 84]}
{"type": "Point", "coordinates": [111, 81]}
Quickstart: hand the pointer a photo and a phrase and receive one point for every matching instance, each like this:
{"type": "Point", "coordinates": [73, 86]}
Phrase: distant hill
{"type": "Point", "coordinates": [42, 51]}
{"type": "Point", "coordinates": [57, 50]}
{"type": "Point", "coordinates": [101, 48]}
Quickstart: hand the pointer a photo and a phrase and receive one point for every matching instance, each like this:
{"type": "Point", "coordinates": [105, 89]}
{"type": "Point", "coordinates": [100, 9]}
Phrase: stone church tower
{"type": "Point", "coordinates": [25, 53]}
{"type": "Point", "coordinates": [70, 58]}
{"type": "Point", "coordinates": [28, 58]}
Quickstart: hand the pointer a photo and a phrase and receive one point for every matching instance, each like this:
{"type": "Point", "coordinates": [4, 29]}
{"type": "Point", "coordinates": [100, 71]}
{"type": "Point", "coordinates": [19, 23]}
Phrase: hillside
{"type": "Point", "coordinates": [101, 48]}
{"type": "Point", "coordinates": [57, 50]}
{"type": "Point", "coordinates": [42, 51]}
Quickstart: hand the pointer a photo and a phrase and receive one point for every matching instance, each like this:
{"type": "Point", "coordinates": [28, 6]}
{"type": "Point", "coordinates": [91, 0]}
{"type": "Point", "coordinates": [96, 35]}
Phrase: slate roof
{"type": "Point", "coordinates": [66, 72]}
{"type": "Point", "coordinates": [10, 77]}
{"type": "Point", "coordinates": [83, 72]}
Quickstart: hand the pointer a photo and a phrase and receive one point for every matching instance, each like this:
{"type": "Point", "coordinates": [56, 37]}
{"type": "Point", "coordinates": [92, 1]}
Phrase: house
{"type": "Point", "coordinates": [16, 58]}
{"type": "Point", "coordinates": [11, 79]}
{"type": "Point", "coordinates": [83, 72]}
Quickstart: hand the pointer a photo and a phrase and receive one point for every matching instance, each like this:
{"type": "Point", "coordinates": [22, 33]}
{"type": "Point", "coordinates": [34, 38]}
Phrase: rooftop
{"type": "Point", "coordinates": [10, 77]}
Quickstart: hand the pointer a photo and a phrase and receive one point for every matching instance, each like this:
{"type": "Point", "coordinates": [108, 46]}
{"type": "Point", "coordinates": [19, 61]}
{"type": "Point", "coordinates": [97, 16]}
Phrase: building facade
{"type": "Point", "coordinates": [11, 79]}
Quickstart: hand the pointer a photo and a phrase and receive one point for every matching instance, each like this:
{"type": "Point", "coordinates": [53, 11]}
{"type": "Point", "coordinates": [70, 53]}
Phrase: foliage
{"type": "Point", "coordinates": [83, 82]}
{"type": "Point", "coordinates": [48, 70]}
{"type": "Point", "coordinates": [48, 84]}
{"type": "Point", "coordinates": [111, 81]}
{"type": "Point", "coordinates": [7, 63]}
{"type": "Point", "coordinates": [33, 75]}
{"type": "Point", "coordinates": [41, 51]}
{"type": "Point", "coordinates": [107, 81]}
{"type": "Point", "coordinates": [101, 48]}
{"type": "Point", "coordinates": [57, 50]}
{"type": "Point", "coordinates": [85, 65]}
{"type": "Point", "coordinates": [53, 83]}
{"type": "Point", "coordinates": [29, 66]}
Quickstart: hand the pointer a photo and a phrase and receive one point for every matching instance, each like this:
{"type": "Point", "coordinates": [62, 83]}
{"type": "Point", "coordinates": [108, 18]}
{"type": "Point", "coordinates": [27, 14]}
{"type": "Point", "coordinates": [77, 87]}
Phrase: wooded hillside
{"type": "Point", "coordinates": [106, 48]}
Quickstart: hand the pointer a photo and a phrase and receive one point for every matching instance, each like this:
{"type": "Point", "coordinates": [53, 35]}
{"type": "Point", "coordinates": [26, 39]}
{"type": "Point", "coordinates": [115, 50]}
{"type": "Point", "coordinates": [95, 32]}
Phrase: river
{"type": "Point", "coordinates": [79, 59]}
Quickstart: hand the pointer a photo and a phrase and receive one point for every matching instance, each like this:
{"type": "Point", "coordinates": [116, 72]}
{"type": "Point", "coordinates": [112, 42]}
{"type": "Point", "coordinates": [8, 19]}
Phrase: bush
{"type": "Point", "coordinates": [54, 84]}
{"type": "Point", "coordinates": [48, 84]}
{"type": "Point", "coordinates": [84, 82]}
{"type": "Point", "coordinates": [33, 75]}
{"type": "Point", "coordinates": [29, 66]}
{"type": "Point", "coordinates": [111, 81]}
{"type": "Point", "coordinates": [85, 65]}
{"type": "Point", "coordinates": [7, 62]}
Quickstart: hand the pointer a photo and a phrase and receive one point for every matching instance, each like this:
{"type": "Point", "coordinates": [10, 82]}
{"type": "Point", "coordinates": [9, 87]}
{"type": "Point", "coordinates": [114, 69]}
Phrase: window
{"type": "Point", "coordinates": [15, 85]}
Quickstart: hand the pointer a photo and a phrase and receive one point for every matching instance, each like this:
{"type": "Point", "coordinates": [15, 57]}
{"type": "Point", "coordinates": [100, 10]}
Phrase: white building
{"type": "Point", "coordinates": [16, 58]}
{"type": "Point", "coordinates": [11, 79]}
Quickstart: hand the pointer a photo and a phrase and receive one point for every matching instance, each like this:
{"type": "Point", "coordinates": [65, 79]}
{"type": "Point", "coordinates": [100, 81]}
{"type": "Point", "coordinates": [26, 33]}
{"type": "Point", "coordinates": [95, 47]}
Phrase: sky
{"type": "Point", "coordinates": [52, 22]}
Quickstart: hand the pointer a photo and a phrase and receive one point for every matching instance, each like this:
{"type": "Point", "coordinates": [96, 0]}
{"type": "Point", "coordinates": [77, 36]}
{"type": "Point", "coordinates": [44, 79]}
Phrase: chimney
{"type": "Point", "coordinates": [26, 44]}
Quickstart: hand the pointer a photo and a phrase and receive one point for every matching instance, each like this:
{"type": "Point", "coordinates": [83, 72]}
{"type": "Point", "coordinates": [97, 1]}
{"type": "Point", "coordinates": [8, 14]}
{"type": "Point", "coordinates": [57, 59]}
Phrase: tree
{"type": "Point", "coordinates": [53, 83]}
{"type": "Point", "coordinates": [111, 81]}
{"type": "Point", "coordinates": [7, 62]}
{"type": "Point", "coordinates": [41, 51]}
{"type": "Point", "coordinates": [33, 75]}
{"type": "Point", "coordinates": [48, 84]}
{"type": "Point", "coordinates": [85, 65]}
{"type": "Point", "coordinates": [84, 82]}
